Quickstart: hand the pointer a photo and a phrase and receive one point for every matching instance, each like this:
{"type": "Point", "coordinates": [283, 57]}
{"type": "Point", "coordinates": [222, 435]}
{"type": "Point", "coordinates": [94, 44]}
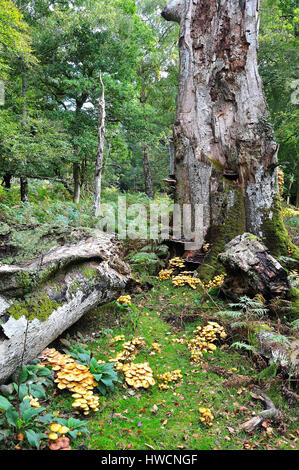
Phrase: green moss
{"type": "Point", "coordinates": [46, 274]}
{"type": "Point", "coordinates": [234, 224]}
{"type": "Point", "coordinates": [26, 281]}
{"type": "Point", "coordinates": [74, 287]}
{"type": "Point", "coordinates": [39, 308]}
{"type": "Point", "coordinates": [294, 298]}
{"type": "Point", "coordinates": [89, 273]}
{"type": "Point", "coordinates": [254, 328]}
{"type": "Point", "coordinates": [275, 235]}
{"type": "Point", "coordinates": [4, 228]}
{"type": "Point", "coordinates": [217, 165]}
{"type": "Point", "coordinates": [251, 237]}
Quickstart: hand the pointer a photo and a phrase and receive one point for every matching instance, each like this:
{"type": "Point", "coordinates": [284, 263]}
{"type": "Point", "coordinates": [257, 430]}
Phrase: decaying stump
{"type": "Point", "coordinates": [270, 412]}
{"type": "Point", "coordinates": [279, 350]}
{"type": "Point", "coordinates": [225, 154]}
{"type": "Point", "coordinates": [252, 270]}
{"type": "Point", "coordinates": [42, 298]}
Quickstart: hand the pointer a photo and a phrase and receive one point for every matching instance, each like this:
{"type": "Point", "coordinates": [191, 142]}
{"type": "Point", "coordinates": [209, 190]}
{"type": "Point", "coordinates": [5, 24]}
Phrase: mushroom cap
{"type": "Point", "coordinates": [55, 427]}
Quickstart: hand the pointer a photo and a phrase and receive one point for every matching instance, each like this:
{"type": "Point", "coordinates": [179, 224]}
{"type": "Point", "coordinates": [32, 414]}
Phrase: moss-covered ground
{"type": "Point", "coordinates": [169, 419]}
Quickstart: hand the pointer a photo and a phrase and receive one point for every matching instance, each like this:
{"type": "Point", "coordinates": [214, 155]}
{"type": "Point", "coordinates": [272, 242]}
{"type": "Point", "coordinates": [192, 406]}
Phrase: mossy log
{"type": "Point", "coordinates": [39, 300]}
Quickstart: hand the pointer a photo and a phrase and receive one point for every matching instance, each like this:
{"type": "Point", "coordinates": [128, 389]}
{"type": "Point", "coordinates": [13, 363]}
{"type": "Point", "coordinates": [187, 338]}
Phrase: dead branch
{"type": "Point", "coordinates": [270, 412]}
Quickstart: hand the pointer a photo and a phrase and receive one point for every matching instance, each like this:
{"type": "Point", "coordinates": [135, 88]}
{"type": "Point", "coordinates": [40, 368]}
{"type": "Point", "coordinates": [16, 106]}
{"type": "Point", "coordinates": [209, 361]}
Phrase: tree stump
{"type": "Point", "coordinates": [251, 269]}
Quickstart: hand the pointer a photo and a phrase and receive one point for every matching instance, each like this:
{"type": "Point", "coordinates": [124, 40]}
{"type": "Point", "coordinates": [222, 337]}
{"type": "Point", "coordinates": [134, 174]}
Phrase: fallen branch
{"type": "Point", "coordinates": [270, 412]}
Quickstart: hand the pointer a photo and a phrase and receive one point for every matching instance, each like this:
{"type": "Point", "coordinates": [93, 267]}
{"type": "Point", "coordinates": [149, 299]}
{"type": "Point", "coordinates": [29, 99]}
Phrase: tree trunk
{"type": "Point", "coordinates": [297, 192]}
{"type": "Point", "coordinates": [23, 179]}
{"type": "Point", "coordinates": [77, 182]}
{"type": "Point", "coordinates": [24, 189]}
{"type": "Point", "coordinates": [7, 180]}
{"type": "Point", "coordinates": [100, 151]}
{"type": "Point", "coordinates": [225, 154]}
{"type": "Point", "coordinates": [65, 283]}
{"type": "Point", "coordinates": [148, 180]}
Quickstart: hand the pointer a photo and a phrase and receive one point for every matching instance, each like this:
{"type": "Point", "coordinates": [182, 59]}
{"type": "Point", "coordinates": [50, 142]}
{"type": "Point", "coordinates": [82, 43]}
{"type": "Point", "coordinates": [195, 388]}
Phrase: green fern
{"type": "Point", "coordinates": [229, 313]}
{"type": "Point", "coordinates": [246, 307]}
{"type": "Point", "coordinates": [269, 373]}
{"type": "Point", "coordinates": [295, 324]}
{"type": "Point", "coordinates": [240, 345]}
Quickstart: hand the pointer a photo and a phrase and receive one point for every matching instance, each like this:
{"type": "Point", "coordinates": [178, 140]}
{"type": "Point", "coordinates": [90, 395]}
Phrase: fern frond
{"type": "Point", "coordinates": [229, 313]}
{"type": "Point", "coordinates": [239, 345]}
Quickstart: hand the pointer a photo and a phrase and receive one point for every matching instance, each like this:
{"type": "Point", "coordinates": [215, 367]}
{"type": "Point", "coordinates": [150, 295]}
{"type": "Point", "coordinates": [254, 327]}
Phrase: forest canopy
{"type": "Point", "coordinates": [51, 55]}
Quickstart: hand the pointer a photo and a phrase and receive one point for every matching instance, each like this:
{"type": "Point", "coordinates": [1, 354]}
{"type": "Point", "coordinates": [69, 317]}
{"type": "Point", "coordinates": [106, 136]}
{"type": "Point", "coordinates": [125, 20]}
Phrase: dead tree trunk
{"type": "Point", "coordinates": [100, 151]}
{"type": "Point", "coordinates": [40, 299]}
{"type": "Point", "coordinates": [225, 153]}
{"type": "Point", "coordinates": [77, 182]}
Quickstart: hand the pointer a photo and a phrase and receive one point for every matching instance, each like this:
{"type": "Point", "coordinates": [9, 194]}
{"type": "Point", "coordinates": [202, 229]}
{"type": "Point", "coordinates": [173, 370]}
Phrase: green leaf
{"type": "Point", "coordinates": [4, 403]}
{"type": "Point", "coordinates": [12, 416]}
{"type": "Point", "coordinates": [43, 372]}
{"type": "Point", "coordinates": [48, 418]}
{"type": "Point", "coordinates": [23, 391]}
{"type": "Point", "coordinates": [24, 375]}
{"type": "Point", "coordinates": [4, 433]}
{"type": "Point", "coordinates": [25, 405]}
{"type": "Point", "coordinates": [37, 391]}
{"type": "Point", "coordinates": [31, 413]}
{"type": "Point", "coordinates": [98, 377]}
{"type": "Point", "coordinates": [94, 363]}
{"type": "Point", "coordinates": [34, 438]}
{"type": "Point", "coordinates": [107, 381]}
{"type": "Point", "coordinates": [102, 389]}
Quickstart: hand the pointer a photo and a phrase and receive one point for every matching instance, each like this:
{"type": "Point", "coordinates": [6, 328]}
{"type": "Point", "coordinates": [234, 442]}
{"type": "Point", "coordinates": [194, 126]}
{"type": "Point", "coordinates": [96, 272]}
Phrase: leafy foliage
{"type": "Point", "coordinates": [14, 37]}
{"type": "Point", "coordinates": [104, 374]}
{"type": "Point", "coordinates": [246, 308]}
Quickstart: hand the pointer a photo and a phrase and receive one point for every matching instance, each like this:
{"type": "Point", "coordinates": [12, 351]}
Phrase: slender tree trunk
{"type": "Point", "coordinates": [148, 180]}
{"type": "Point", "coordinates": [225, 153]}
{"type": "Point", "coordinates": [23, 189]}
{"type": "Point", "coordinates": [77, 182]}
{"type": "Point", "coordinates": [100, 151]}
{"type": "Point", "coordinates": [23, 179]}
{"type": "Point", "coordinates": [297, 192]}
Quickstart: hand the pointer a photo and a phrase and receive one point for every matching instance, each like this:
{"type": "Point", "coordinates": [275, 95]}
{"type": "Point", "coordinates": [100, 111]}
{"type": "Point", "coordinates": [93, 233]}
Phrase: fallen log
{"type": "Point", "coordinates": [39, 300]}
{"type": "Point", "coordinates": [270, 412]}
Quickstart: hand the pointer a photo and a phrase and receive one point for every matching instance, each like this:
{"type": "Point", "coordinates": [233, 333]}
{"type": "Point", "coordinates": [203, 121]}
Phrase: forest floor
{"type": "Point", "coordinates": [169, 419]}
{"type": "Point", "coordinates": [162, 314]}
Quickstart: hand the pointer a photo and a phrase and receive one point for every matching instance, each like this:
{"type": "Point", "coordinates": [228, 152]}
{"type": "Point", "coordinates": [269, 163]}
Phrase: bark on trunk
{"type": "Point", "coordinates": [23, 179]}
{"type": "Point", "coordinates": [148, 180]}
{"type": "Point", "coordinates": [77, 182]}
{"type": "Point", "coordinates": [7, 180]}
{"type": "Point", "coordinates": [225, 154]}
{"type": "Point", "coordinates": [24, 189]}
{"type": "Point", "coordinates": [67, 282]}
{"type": "Point", "coordinates": [100, 151]}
